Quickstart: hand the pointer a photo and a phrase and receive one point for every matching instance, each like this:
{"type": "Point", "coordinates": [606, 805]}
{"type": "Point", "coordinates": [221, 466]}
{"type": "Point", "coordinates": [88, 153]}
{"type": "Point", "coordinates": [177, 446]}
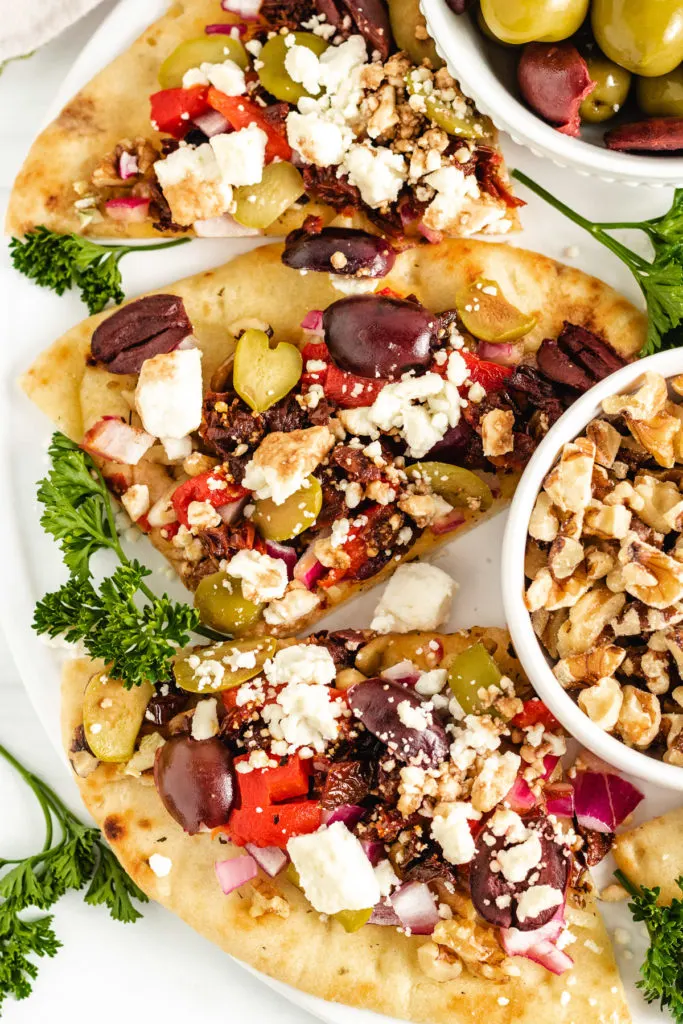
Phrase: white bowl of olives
{"type": "Point", "coordinates": [605, 78]}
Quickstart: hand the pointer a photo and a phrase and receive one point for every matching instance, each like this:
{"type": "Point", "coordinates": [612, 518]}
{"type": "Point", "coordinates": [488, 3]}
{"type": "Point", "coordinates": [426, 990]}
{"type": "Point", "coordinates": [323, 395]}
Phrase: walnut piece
{"type": "Point", "coordinates": [496, 432]}
{"type": "Point", "coordinates": [603, 702]}
{"type": "Point", "coordinates": [643, 404]}
{"type": "Point", "coordinates": [639, 718]}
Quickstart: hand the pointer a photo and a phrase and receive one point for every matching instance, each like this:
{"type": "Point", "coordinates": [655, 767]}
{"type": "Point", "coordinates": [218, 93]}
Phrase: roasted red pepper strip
{"type": "Point", "coordinates": [534, 713]}
{"type": "Point", "coordinates": [355, 547]}
{"type": "Point", "coordinates": [241, 112]}
{"type": "Point", "coordinates": [274, 822]}
{"type": "Point", "coordinates": [350, 391]}
{"type": "Point", "coordinates": [491, 376]}
{"type": "Point", "coordinates": [173, 109]}
{"type": "Point", "coordinates": [273, 785]}
{"type": "Point", "coordinates": [198, 488]}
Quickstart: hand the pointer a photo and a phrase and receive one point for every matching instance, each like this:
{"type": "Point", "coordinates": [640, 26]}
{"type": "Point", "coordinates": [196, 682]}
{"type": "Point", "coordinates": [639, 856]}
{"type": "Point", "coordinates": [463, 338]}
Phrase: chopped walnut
{"type": "Point", "coordinates": [661, 503]}
{"type": "Point", "coordinates": [551, 594]}
{"type": "Point", "coordinates": [607, 441]}
{"type": "Point", "coordinates": [674, 739]}
{"type": "Point", "coordinates": [564, 557]}
{"type": "Point", "coordinates": [476, 945]}
{"type": "Point", "coordinates": [496, 432]}
{"type": "Point", "coordinates": [587, 619]}
{"type": "Point", "coordinates": [424, 508]}
{"type": "Point", "coordinates": [569, 484]}
{"type": "Point", "coordinates": [385, 116]}
{"type": "Point", "coordinates": [649, 574]}
{"type": "Point", "coordinates": [590, 666]}
{"type": "Point", "coordinates": [657, 436]}
{"type": "Point", "coordinates": [544, 523]}
{"type": "Point", "coordinates": [535, 559]}
{"type": "Point", "coordinates": [603, 702]}
{"type": "Point", "coordinates": [438, 962]}
{"type": "Point", "coordinates": [642, 404]}
{"type": "Point", "coordinates": [639, 718]}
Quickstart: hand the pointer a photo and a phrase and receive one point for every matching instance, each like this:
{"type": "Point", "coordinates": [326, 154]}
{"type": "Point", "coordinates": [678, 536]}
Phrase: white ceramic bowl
{"type": "Point", "coordinates": [487, 73]}
{"type": "Point", "coordinates": [527, 646]}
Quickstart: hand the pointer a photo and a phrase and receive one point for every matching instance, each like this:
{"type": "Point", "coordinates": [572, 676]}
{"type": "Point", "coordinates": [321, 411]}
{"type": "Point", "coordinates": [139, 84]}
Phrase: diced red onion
{"type": "Point", "coordinates": [313, 321]}
{"type": "Point", "coordinates": [432, 236]}
{"type": "Point", "coordinates": [416, 907]}
{"type": "Point", "coordinates": [128, 165]}
{"type": "Point", "coordinates": [247, 9]}
{"type": "Point", "coordinates": [235, 872]}
{"type": "Point", "coordinates": [549, 956]}
{"type": "Point", "coordinates": [128, 209]}
{"type": "Point", "coordinates": [349, 814]}
{"type": "Point", "coordinates": [285, 552]}
{"type": "Point", "coordinates": [224, 28]}
{"type": "Point", "coordinates": [405, 673]}
{"type": "Point", "coordinates": [517, 943]}
{"type": "Point", "coordinates": [407, 212]}
{"type": "Point", "coordinates": [560, 800]}
{"type": "Point", "coordinates": [385, 916]}
{"type": "Point", "coordinates": [270, 858]}
{"type": "Point", "coordinates": [603, 800]}
{"type": "Point", "coordinates": [308, 569]}
{"type": "Point", "coordinates": [448, 523]}
{"type": "Point", "coordinates": [113, 439]}
{"type": "Point", "coordinates": [550, 763]}
{"type": "Point", "coordinates": [230, 512]}
{"type": "Point", "coordinates": [374, 850]}
{"type": "Point", "coordinates": [624, 797]}
{"type": "Point", "coordinates": [520, 798]}
{"type": "Point", "coordinates": [505, 353]}
{"type": "Point", "coordinates": [223, 227]}
{"type": "Point", "coordinates": [212, 123]}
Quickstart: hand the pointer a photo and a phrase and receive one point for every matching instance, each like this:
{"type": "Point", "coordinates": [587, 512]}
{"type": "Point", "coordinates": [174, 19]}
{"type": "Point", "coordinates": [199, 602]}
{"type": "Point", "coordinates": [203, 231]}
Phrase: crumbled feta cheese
{"type": "Point", "coordinates": [282, 463]}
{"type": "Point", "coordinates": [340, 532]}
{"type": "Point", "coordinates": [241, 155]}
{"type": "Point", "coordinates": [136, 501]}
{"type": "Point", "coordinates": [194, 76]}
{"type": "Point", "coordinates": [177, 448]}
{"type": "Point", "coordinates": [228, 77]}
{"type": "Point", "coordinates": [432, 682]}
{"type": "Point", "coordinates": [263, 578]}
{"type": "Point", "coordinates": [301, 663]}
{"type": "Point", "coordinates": [192, 184]}
{"type": "Point", "coordinates": [353, 285]}
{"type": "Point", "coordinates": [304, 715]}
{"type": "Point", "coordinates": [205, 719]}
{"type": "Point", "coordinates": [387, 879]}
{"type": "Point", "coordinates": [333, 870]}
{"type": "Point", "coordinates": [377, 172]}
{"type": "Point", "coordinates": [518, 861]}
{"type": "Point", "coordinates": [302, 65]}
{"type": "Point", "coordinates": [536, 899]}
{"type": "Point", "coordinates": [452, 831]}
{"type": "Point", "coordinates": [453, 189]}
{"type": "Point", "coordinates": [293, 606]}
{"type": "Point", "coordinates": [508, 823]}
{"type": "Point", "coordinates": [160, 865]}
{"type": "Point", "coordinates": [201, 515]}
{"type": "Point", "coordinates": [418, 596]}
{"type": "Point", "coordinates": [458, 371]}
{"type": "Point", "coordinates": [318, 140]}
{"type": "Point", "coordinates": [338, 63]}
{"type": "Point", "coordinates": [208, 673]}
{"type": "Point", "coordinates": [169, 393]}
{"type": "Point", "coordinates": [237, 659]}
{"type": "Point", "coordinates": [413, 717]}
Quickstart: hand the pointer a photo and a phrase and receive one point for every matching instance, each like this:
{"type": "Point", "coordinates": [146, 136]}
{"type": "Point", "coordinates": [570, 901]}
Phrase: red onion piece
{"type": "Point", "coordinates": [432, 236]}
{"type": "Point", "coordinates": [560, 800]}
{"type": "Point", "coordinates": [549, 956]}
{"type": "Point", "coordinates": [128, 165]}
{"type": "Point", "coordinates": [349, 814]}
{"type": "Point", "coordinates": [506, 353]}
{"type": "Point", "coordinates": [550, 763]}
{"type": "Point", "coordinates": [308, 569]}
{"type": "Point", "coordinates": [520, 798]}
{"type": "Point", "coordinates": [624, 797]}
{"type": "Point", "coordinates": [113, 439]}
{"type": "Point", "coordinates": [223, 227]}
{"type": "Point", "coordinates": [128, 209]}
{"type": "Point", "coordinates": [404, 673]}
{"type": "Point", "coordinates": [374, 850]}
{"type": "Point", "coordinates": [416, 908]}
{"type": "Point", "coordinates": [235, 872]}
{"type": "Point", "coordinates": [517, 943]}
{"type": "Point", "coordinates": [270, 859]}
{"type": "Point", "coordinates": [604, 800]}
{"type": "Point", "coordinates": [554, 80]}
{"type": "Point", "coordinates": [212, 123]}
{"type": "Point", "coordinates": [385, 916]}
{"type": "Point", "coordinates": [448, 523]}
{"type": "Point", "coordinates": [313, 321]}
{"type": "Point", "coordinates": [285, 552]}
{"type": "Point", "coordinates": [248, 9]}
{"type": "Point", "coordinates": [224, 28]}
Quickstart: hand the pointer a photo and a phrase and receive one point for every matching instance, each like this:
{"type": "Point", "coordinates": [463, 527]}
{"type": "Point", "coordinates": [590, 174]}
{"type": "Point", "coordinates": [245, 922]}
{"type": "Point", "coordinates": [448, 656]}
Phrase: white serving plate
{"type": "Point", "coordinates": [31, 563]}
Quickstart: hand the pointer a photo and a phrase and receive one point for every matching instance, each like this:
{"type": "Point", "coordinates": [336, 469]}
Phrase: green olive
{"type": "Point", "coordinates": [293, 516]}
{"type": "Point", "coordinates": [612, 84]}
{"type": "Point", "coordinates": [528, 21]}
{"type": "Point", "coordinates": [113, 715]}
{"type": "Point", "coordinates": [352, 920]}
{"type": "Point", "coordinates": [407, 18]}
{"type": "Point", "coordinates": [263, 375]}
{"type": "Point", "coordinates": [486, 31]}
{"type": "Point", "coordinates": [662, 96]}
{"type": "Point", "coordinates": [222, 605]}
{"type": "Point", "coordinates": [454, 116]}
{"type": "Point", "coordinates": [273, 73]}
{"type": "Point", "coordinates": [255, 653]}
{"type": "Point", "coordinates": [193, 52]}
{"type": "Point", "coordinates": [488, 315]}
{"type": "Point", "coordinates": [643, 36]}
{"type": "Point", "coordinates": [470, 672]}
{"type": "Point", "coordinates": [460, 487]}
{"type": "Point", "coordinates": [257, 206]}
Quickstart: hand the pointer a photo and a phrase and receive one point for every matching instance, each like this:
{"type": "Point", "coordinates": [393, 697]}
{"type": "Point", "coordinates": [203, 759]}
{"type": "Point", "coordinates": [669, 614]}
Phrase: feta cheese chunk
{"type": "Point", "coordinates": [241, 155]}
{"type": "Point", "coordinates": [451, 830]}
{"type": "Point", "coordinates": [302, 65]}
{"type": "Point", "coordinates": [333, 870]}
{"type": "Point", "coordinates": [192, 184]}
{"type": "Point", "coordinates": [304, 715]}
{"type": "Point", "coordinates": [519, 860]}
{"type": "Point", "coordinates": [282, 462]}
{"type": "Point", "coordinates": [263, 578]}
{"type": "Point", "coordinates": [418, 596]}
{"type": "Point", "coordinates": [316, 139]}
{"type": "Point", "coordinates": [228, 77]}
{"type": "Point", "coordinates": [160, 865]}
{"type": "Point", "coordinates": [301, 663]}
{"type": "Point", "coordinates": [386, 877]}
{"type": "Point", "coordinates": [205, 720]}
{"type": "Point", "coordinates": [136, 501]}
{"type": "Point", "coordinates": [193, 77]}
{"type": "Point", "coordinates": [292, 607]}
{"type": "Point", "coordinates": [536, 899]}
{"type": "Point", "coordinates": [453, 189]}
{"type": "Point", "coordinates": [377, 172]}
{"type": "Point", "coordinates": [169, 393]}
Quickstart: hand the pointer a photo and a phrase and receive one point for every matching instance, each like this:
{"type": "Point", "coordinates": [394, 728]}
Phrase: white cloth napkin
{"type": "Point", "coordinates": [27, 24]}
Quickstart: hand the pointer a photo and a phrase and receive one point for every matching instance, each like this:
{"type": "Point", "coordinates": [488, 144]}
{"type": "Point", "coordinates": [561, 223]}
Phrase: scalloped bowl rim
{"type": "Point", "coordinates": [524, 639]}
{"type": "Point", "coordinates": [493, 98]}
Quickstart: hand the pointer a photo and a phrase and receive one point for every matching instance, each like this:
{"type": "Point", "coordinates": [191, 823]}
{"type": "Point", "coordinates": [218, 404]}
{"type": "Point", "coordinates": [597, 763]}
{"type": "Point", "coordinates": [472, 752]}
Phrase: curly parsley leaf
{"type": "Point", "coordinates": [662, 971]}
{"type": "Point", "coordinates": [61, 262]}
{"type": "Point", "coordinates": [73, 856]}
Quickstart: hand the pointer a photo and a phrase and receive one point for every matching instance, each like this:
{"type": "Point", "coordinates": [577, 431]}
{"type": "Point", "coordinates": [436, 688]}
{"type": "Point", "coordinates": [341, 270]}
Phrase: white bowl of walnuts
{"type": "Point", "coordinates": [592, 569]}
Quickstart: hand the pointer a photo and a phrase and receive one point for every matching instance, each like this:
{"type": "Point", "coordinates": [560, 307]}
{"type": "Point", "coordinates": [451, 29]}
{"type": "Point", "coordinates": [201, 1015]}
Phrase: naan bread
{"type": "Point", "coordinates": [375, 968]}
{"type": "Point", "coordinates": [652, 854]}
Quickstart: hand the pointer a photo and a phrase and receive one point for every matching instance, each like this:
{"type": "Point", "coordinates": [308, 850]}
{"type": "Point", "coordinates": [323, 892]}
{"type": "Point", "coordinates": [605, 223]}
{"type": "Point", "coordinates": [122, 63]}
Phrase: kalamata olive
{"type": "Point", "coordinates": [385, 708]}
{"type": "Point", "coordinates": [372, 19]}
{"type": "Point", "coordinates": [140, 330]}
{"type": "Point", "coordinates": [656, 135]}
{"type": "Point", "coordinates": [459, 6]}
{"type": "Point", "coordinates": [554, 80]}
{"type": "Point", "coordinates": [488, 886]}
{"type": "Point", "coordinates": [355, 252]}
{"type": "Point", "coordinates": [196, 781]}
{"type": "Point", "coordinates": [377, 336]}
{"type": "Point", "coordinates": [162, 708]}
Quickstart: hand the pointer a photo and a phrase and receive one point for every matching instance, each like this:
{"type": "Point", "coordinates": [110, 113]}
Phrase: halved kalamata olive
{"type": "Point", "coordinates": [372, 19]}
{"type": "Point", "coordinates": [140, 330]}
{"type": "Point", "coordinates": [162, 708]}
{"type": "Point", "coordinates": [554, 81]}
{"type": "Point", "coordinates": [488, 888]}
{"type": "Point", "coordinates": [196, 781]}
{"type": "Point", "coordinates": [339, 251]}
{"type": "Point", "coordinates": [459, 6]}
{"type": "Point", "coordinates": [377, 336]}
{"type": "Point", "coordinates": [387, 710]}
{"type": "Point", "coordinates": [655, 135]}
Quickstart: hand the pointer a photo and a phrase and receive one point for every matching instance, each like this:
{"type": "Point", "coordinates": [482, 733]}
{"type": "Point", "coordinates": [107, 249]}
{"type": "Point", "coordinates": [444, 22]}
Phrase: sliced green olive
{"type": "Point", "coordinates": [460, 487]}
{"type": "Point", "coordinates": [222, 605]}
{"type": "Point", "coordinates": [263, 375]}
{"type": "Point", "coordinates": [406, 18]}
{"type": "Point", "coordinates": [204, 50]}
{"type": "Point", "coordinates": [113, 715]}
{"type": "Point", "coordinates": [488, 315]}
{"type": "Point", "coordinates": [470, 672]}
{"type": "Point", "coordinates": [187, 668]}
{"type": "Point", "coordinates": [353, 920]}
{"type": "Point", "coordinates": [296, 514]}
{"type": "Point", "coordinates": [446, 114]}
{"type": "Point", "coordinates": [273, 73]}
{"type": "Point", "coordinates": [257, 206]}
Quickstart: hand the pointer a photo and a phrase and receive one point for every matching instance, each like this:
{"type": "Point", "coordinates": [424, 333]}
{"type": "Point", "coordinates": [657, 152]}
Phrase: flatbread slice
{"type": "Point", "coordinates": [271, 926]}
{"type": "Point", "coordinates": [651, 855]}
{"type": "Point", "coordinates": [258, 289]}
{"type": "Point", "coordinates": [107, 168]}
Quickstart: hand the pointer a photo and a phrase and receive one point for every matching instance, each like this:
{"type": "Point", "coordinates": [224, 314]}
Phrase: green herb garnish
{"type": "Point", "coordinates": [660, 279]}
{"type": "Point", "coordinates": [662, 971]}
{"type": "Point", "coordinates": [61, 262]}
{"type": "Point", "coordinates": [73, 855]}
{"type": "Point", "coordinates": [124, 621]}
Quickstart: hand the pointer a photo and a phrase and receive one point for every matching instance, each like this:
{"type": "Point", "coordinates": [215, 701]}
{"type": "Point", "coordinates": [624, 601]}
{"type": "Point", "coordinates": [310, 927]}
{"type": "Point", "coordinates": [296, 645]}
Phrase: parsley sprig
{"type": "Point", "coordinates": [662, 970]}
{"type": "Point", "coordinates": [123, 621]}
{"type": "Point", "coordinates": [61, 262]}
{"type": "Point", "coordinates": [73, 855]}
{"type": "Point", "coordinates": [660, 279]}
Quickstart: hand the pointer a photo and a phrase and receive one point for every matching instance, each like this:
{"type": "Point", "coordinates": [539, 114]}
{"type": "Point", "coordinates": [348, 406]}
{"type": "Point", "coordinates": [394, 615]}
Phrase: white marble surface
{"type": "Point", "coordinates": [158, 968]}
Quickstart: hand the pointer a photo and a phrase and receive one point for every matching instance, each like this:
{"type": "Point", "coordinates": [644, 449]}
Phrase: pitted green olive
{"type": "Point", "coordinates": [528, 21]}
{"type": "Point", "coordinates": [112, 716]}
{"type": "Point", "coordinates": [643, 36]}
{"type": "Point", "coordinates": [222, 605]}
{"type": "Point", "coordinates": [612, 84]}
{"type": "Point", "coordinates": [662, 96]}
